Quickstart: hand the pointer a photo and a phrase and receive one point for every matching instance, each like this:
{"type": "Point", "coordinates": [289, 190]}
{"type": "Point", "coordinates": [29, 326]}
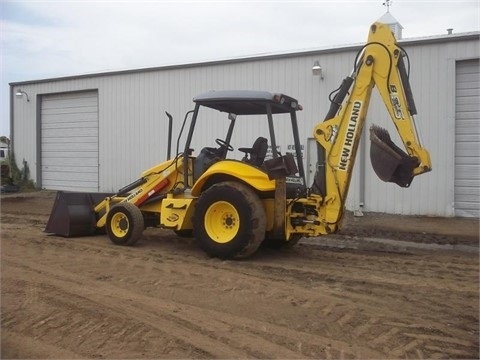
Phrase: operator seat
{"type": "Point", "coordinates": [257, 152]}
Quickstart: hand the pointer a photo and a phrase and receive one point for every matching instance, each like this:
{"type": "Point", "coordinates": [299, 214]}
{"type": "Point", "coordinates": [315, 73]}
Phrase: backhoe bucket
{"type": "Point", "coordinates": [73, 214]}
{"type": "Point", "coordinates": [390, 163]}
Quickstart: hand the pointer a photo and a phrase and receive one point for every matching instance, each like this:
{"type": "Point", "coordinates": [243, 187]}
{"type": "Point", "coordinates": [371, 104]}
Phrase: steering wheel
{"type": "Point", "coordinates": [223, 144]}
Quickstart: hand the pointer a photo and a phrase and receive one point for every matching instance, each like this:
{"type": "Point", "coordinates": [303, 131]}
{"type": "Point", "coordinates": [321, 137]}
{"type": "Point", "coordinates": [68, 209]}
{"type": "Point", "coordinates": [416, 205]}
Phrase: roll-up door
{"type": "Point", "coordinates": [69, 141]}
{"type": "Point", "coordinates": [467, 139]}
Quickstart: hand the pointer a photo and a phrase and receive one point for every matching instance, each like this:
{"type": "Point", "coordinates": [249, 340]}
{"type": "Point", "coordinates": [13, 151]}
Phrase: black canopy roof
{"type": "Point", "coordinates": [247, 102]}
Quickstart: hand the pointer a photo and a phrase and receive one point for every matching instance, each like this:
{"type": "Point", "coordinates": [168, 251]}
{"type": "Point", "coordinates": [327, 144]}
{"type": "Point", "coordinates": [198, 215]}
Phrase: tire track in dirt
{"type": "Point", "coordinates": [439, 295]}
{"type": "Point", "coordinates": [310, 302]}
{"type": "Point", "coordinates": [155, 311]}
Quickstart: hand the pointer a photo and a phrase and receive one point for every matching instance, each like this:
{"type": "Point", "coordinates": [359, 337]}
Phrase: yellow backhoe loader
{"type": "Point", "coordinates": [232, 206]}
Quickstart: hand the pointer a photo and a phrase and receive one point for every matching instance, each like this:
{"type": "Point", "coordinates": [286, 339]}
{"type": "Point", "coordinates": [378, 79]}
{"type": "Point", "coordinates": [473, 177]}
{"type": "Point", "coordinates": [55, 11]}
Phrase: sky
{"type": "Point", "coordinates": [46, 39]}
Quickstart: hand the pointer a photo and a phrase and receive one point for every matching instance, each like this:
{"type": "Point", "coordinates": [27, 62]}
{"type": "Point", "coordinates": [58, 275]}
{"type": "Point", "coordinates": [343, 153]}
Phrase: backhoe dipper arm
{"type": "Point", "coordinates": [379, 64]}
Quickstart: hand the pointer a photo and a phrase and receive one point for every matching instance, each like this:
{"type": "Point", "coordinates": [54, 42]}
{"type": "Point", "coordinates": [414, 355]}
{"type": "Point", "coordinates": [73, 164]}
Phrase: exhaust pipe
{"type": "Point", "coordinates": [390, 163]}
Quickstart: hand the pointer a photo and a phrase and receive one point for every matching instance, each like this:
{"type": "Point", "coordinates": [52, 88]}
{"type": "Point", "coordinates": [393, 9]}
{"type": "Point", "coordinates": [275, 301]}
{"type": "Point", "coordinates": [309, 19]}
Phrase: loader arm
{"type": "Point", "coordinates": [155, 181]}
{"type": "Point", "coordinates": [379, 63]}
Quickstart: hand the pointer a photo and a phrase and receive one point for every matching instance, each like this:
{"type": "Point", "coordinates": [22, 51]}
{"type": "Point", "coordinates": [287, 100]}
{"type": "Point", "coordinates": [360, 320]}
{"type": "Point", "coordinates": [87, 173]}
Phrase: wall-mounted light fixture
{"type": "Point", "coordinates": [317, 69]}
{"type": "Point", "coordinates": [20, 93]}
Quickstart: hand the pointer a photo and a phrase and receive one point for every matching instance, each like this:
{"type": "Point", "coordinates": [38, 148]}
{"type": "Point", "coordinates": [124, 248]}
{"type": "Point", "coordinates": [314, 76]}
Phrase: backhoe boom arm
{"type": "Point", "coordinates": [379, 64]}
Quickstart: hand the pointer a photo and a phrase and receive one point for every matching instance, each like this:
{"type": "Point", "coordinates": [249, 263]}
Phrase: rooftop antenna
{"type": "Point", "coordinates": [388, 3]}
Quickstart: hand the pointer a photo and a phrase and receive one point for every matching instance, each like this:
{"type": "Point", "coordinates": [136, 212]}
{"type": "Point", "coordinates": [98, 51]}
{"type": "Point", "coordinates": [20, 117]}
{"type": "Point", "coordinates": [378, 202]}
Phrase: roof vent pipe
{"type": "Point", "coordinates": [449, 31]}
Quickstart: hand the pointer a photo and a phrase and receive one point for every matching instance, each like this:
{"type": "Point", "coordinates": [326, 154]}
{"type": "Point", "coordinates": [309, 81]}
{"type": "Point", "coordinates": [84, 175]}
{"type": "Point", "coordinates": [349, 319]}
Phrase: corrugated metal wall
{"type": "Point", "coordinates": [433, 83]}
{"type": "Point", "coordinates": [133, 125]}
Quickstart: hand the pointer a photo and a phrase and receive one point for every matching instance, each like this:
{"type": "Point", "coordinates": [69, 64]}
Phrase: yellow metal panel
{"type": "Point", "coordinates": [177, 213]}
{"type": "Point", "coordinates": [251, 175]}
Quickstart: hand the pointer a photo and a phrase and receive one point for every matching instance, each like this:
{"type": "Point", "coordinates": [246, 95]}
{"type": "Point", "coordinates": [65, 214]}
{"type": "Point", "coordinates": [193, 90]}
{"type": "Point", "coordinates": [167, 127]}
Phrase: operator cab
{"type": "Point", "coordinates": [245, 109]}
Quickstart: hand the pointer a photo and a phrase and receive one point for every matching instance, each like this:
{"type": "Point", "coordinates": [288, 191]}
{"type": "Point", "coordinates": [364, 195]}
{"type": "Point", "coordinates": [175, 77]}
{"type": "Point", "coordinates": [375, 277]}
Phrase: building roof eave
{"type": "Point", "coordinates": [474, 35]}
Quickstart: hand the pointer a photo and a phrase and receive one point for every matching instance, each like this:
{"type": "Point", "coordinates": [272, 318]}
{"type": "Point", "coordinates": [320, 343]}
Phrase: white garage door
{"type": "Point", "coordinates": [467, 139]}
{"type": "Point", "coordinates": [69, 141]}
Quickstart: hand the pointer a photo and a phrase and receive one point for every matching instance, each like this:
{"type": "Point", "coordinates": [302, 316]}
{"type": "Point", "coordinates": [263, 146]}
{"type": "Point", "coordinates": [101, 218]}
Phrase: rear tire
{"type": "Point", "coordinates": [125, 224]}
{"type": "Point", "coordinates": [229, 221]}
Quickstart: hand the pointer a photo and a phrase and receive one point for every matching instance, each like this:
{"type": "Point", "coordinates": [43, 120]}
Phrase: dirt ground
{"type": "Point", "coordinates": [386, 287]}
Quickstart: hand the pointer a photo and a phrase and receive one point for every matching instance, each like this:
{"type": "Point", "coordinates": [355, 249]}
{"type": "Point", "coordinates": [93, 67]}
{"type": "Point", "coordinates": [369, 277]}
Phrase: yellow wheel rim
{"type": "Point", "coordinates": [222, 222]}
{"type": "Point", "coordinates": [119, 225]}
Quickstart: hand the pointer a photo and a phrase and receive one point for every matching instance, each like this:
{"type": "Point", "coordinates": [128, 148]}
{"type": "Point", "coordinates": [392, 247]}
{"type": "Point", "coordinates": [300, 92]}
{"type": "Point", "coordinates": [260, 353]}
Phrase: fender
{"type": "Point", "coordinates": [252, 175]}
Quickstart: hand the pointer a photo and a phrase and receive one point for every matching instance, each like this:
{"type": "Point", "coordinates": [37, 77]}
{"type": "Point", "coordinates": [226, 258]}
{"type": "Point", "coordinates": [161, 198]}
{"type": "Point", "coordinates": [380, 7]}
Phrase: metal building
{"type": "Point", "coordinates": [97, 132]}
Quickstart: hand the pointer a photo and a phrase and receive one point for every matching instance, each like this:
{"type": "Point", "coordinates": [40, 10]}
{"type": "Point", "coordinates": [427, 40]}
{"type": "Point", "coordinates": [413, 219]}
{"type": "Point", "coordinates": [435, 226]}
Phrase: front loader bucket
{"type": "Point", "coordinates": [390, 163]}
{"type": "Point", "coordinates": [73, 215]}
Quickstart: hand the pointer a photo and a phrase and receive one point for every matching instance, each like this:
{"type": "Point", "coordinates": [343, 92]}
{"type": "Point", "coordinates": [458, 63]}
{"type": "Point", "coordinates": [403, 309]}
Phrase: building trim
{"type": "Point", "coordinates": [12, 145]}
{"type": "Point", "coordinates": [38, 122]}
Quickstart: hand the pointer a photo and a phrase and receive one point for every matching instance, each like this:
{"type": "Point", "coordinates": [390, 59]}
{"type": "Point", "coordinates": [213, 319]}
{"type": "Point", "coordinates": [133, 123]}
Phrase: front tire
{"type": "Point", "coordinates": [229, 221]}
{"type": "Point", "coordinates": [125, 224]}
